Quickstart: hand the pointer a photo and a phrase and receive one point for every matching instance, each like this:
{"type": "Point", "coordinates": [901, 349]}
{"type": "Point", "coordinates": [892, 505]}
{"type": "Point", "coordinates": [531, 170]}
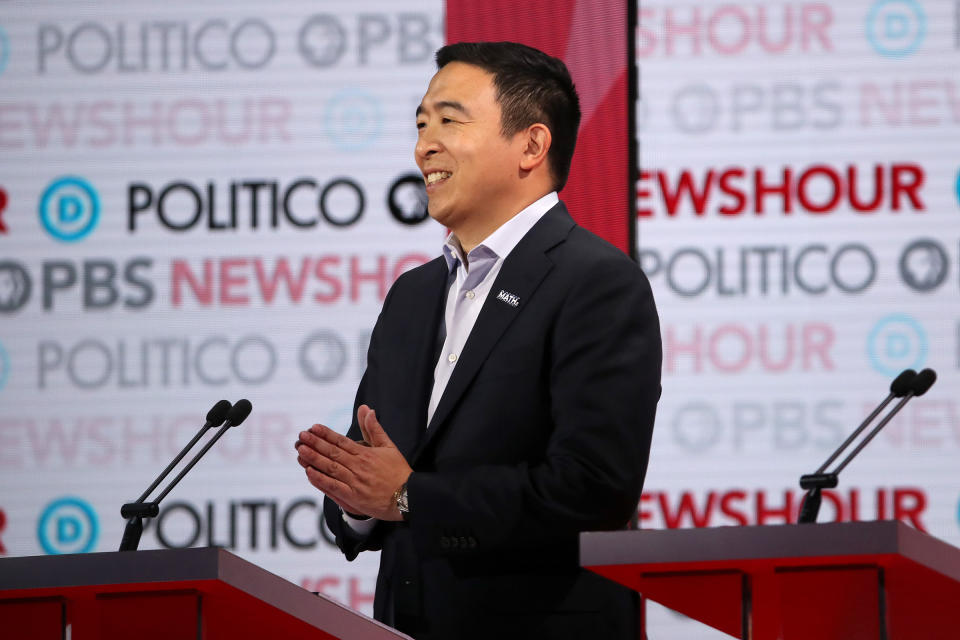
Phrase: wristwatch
{"type": "Point", "coordinates": [400, 498]}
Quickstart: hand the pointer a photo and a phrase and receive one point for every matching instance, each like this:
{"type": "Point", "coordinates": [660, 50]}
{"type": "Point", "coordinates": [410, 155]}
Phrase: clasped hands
{"type": "Point", "coordinates": [361, 477]}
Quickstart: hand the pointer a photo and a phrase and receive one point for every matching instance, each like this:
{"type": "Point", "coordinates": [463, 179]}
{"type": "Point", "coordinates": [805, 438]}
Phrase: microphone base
{"type": "Point", "coordinates": [819, 481]}
{"type": "Point", "coordinates": [140, 510]}
{"type": "Point", "coordinates": [131, 535]}
{"type": "Point", "coordinates": [810, 507]}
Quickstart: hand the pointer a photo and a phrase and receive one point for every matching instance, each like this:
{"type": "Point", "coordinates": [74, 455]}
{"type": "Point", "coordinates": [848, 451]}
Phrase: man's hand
{"type": "Point", "coordinates": [360, 479]}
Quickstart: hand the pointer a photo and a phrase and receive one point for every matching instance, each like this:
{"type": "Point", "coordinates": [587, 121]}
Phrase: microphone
{"type": "Point", "coordinates": [215, 418]}
{"type": "Point", "coordinates": [907, 385]}
{"type": "Point", "coordinates": [924, 381]}
{"type": "Point", "coordinates": [902, 384]}
{"type": "Point", "coordinates": [237, 415]}
{"type": "Point", "coordinates": [919, 386]}
{"type": "Point", "coordinates": [900, 387]}
{"type": "Point", "coordinates": [221, 413]}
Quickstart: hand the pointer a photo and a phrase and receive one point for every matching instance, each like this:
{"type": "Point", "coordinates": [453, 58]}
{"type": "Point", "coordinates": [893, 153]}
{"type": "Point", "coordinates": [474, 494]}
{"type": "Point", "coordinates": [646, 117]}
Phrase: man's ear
{"type": "Point", "coordinates": [538, 140]}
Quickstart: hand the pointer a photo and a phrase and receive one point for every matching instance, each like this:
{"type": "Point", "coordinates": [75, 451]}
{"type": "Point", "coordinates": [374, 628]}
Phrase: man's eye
{"type": "Point", "coordinates": [421, 125]}
{"type": "Point", "coordinates": [446, 120]}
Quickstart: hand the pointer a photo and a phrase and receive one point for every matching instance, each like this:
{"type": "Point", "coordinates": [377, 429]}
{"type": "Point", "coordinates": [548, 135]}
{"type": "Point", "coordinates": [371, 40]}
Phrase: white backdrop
{"type": "Point", "coordinates": [799, 219]}
{"type": "Point", "coordinates": [195, 203]}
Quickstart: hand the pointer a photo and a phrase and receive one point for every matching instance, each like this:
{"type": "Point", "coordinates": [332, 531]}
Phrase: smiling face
{"type": "Point", "coordinates": [473, 174]}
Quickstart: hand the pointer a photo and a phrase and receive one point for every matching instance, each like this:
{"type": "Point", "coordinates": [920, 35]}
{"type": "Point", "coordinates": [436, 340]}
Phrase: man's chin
{"type": "Point", "coordinates": [439, 213]}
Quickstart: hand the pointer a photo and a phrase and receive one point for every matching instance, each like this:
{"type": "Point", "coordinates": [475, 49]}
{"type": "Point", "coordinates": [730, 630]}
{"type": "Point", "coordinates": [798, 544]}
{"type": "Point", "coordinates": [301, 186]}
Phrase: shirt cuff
{"type": "Point", "coordinates": [362, 527]}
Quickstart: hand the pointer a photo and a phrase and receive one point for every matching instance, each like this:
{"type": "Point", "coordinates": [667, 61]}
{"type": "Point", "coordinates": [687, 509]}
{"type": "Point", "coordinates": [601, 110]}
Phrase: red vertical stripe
{"type": "Point", "coordinates": [592, 40]}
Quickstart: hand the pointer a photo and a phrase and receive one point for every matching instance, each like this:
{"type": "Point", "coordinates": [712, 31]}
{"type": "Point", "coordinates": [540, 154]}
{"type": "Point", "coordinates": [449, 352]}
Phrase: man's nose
{"type": "Point", "coordinates": [427, 145]}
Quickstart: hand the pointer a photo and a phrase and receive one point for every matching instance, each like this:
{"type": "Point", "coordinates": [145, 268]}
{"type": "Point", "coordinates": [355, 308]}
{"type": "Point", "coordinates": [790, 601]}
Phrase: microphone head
{"type": "Point", "coordinates": [218, 413]}
{"type": "Point", "coordinates": [239, 412]}
{"type": "Point", "coordinates": [903, 383]}
{"type": "Point", "coordinates": [924, 381]}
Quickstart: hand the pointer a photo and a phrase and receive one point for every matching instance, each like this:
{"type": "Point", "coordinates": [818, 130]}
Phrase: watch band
{"type": "Point", "coordinates": [400, 498]}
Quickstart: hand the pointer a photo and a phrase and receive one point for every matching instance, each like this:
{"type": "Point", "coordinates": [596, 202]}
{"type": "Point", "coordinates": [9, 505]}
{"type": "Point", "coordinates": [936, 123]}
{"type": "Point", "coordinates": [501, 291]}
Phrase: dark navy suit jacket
{"type": "Point", "coordinates": [542, 432]}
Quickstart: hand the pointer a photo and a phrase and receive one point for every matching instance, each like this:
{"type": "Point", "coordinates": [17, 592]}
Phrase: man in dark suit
{"type": "Point", "coordinates": [511, 384]}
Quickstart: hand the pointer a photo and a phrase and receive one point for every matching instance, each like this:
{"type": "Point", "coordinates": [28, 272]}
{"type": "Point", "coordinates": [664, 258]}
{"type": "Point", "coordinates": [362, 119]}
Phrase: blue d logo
{"type": "Point", "coordinates": [68, 525]}
{"type": "Point", "coordinates": [895, 343]}
{"type": "Point", "coordinates": [69, 208]}
{"type": "Point", "coordinates": [896, 28]}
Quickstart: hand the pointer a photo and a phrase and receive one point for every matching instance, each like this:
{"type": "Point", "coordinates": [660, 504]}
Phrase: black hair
{"type": "Point", "coordinates": [531, 87]}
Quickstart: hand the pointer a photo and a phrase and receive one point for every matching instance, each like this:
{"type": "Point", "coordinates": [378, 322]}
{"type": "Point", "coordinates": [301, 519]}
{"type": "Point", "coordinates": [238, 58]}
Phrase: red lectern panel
{"type": "Point", "coordinates": [120, 613]}
{"type": "Point", "coordinates": [794, 582]}
{"type": "Point", "coordinates": [40, 618]}
{"type": "Point", "coordinates": [203, 594]}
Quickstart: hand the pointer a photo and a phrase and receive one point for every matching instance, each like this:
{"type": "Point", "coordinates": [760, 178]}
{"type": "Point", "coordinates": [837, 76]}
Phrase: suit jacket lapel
{"type": "Point", "coordinates": [521, 274]}
{"type": "Point", "coordinates": [422, 350]}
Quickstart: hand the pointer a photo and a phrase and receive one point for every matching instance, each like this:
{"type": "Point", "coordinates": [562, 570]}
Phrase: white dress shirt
{"type": "Point", "coordinates": [475, 274]}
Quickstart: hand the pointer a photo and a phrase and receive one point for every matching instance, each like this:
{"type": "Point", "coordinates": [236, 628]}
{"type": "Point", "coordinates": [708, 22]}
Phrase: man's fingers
{"type": "Point", "coordinates": [334, 438]}
{"type": "Point", "coordinates": [373, 431]}
{"type": "Point", "coordinates": [324, 462]}
{"type": "Point", "coordinates": [325, 447]}
{"type": "Point", "coordinates": [362, 412]}
{"type": "Point", "coordinates": [330, 486]}
{"type": "Point", "coordinates": [336, 490]}
{"type": "Point", "coordinates": [360, 477]}
{"type": "Point", "coordinates": [371, 428]}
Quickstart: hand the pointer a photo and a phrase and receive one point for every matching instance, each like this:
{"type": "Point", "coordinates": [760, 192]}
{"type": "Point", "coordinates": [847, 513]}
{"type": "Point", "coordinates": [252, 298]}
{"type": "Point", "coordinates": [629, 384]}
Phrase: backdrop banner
{"type": "Point", "coordinates": [210, 200]}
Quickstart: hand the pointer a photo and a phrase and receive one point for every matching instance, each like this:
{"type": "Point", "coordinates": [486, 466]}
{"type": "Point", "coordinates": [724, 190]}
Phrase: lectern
{"type": "Point", "coordinates": [834, 581]}
{"type": "Point", "coordinates": [202, 594]}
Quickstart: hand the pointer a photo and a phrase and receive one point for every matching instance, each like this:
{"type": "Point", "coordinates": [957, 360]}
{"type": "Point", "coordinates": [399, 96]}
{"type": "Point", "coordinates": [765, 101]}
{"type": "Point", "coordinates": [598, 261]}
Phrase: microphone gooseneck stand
{"type": "Point", "coordinates": [135, 512]}
{"type": "Point", "coordinates": [909, 384]}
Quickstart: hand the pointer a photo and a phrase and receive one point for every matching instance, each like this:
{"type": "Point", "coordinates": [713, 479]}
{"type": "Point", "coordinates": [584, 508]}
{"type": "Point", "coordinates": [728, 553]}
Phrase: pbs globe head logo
{"type": "Point", "coordinates": [69, 208]}
{"type": "Point", "coordinates": [353, 119]}
{"type": "Point", "coordinates": [68, 525]}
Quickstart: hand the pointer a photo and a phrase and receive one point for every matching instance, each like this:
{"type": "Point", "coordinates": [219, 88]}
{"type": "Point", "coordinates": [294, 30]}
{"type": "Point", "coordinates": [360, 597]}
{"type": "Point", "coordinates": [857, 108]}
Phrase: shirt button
{"type": "Point", "coordinates": [470, 295]}
{"type": "Point", "coordinates": [452, 358]}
